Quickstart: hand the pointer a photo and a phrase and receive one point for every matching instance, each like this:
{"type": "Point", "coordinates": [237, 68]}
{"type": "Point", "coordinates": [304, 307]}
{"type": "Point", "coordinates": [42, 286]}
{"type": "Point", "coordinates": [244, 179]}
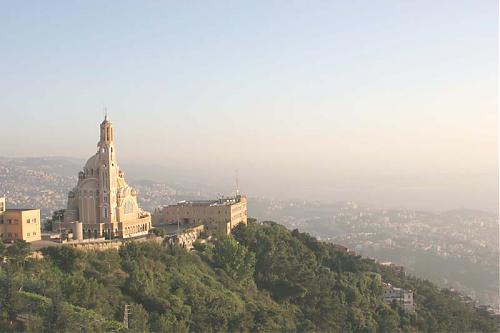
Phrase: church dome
{"type": "Point", "coordinates": [91, 163]}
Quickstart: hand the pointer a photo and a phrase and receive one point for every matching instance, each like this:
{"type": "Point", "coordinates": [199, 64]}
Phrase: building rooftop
{"type": "Point", "coordinates": [213, 202]}
{"type": "Point", "coordinates": [20, 209]}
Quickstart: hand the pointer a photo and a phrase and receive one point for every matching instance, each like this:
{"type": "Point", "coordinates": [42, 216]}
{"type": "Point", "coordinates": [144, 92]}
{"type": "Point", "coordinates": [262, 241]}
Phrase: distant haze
{"type": "Point", "coordinates": [388, 103]}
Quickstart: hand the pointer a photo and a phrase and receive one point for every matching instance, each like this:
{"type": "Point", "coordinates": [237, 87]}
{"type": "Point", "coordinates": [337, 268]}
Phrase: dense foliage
{"type": "Point", "coordinates": [264, 279]}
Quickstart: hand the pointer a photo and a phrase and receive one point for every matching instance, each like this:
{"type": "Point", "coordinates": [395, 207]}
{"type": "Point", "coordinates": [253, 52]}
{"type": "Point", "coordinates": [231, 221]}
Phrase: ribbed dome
{"type": "Point", "coordinates": [91, 163]}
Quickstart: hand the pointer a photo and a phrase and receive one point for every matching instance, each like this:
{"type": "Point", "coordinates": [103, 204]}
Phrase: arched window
{"type": "Point", "coordinates": [129, 207]}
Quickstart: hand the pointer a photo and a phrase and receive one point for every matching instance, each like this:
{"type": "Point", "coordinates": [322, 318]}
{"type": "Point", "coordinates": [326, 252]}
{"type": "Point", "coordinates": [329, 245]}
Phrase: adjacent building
{"type": "Point", "coordinates": [218, 216]}
{"type": "Point", "coordinates": [102, 204]}
{"type": "Point", "coordinates": [19, 224]}
{"type": "Point", "coordinates": [400, 296]}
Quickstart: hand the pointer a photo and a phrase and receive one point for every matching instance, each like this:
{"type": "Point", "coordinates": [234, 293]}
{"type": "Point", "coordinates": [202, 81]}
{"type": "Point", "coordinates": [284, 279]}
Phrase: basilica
{"type": "Point", "coordinates": [102, 204]}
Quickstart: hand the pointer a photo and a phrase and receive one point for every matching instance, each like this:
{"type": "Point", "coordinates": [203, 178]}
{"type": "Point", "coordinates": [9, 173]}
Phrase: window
{"type": "Point", "coordinates": [28, 234]}
{"type": "Point", "coordinates": [34, 233]}
{"type": "Point", "coordinates": [28, 221]}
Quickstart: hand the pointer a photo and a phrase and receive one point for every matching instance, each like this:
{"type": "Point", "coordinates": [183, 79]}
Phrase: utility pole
{"type": "Point", "coordinates": [60, 234]}
{"type": "Point", "coordinates": [178, 226]}
{"type": "Point", "coordinates": [126, 313]}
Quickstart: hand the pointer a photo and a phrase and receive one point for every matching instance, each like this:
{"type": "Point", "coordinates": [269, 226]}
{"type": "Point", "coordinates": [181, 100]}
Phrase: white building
{"type": "Point", "coordinates": [399, 295]}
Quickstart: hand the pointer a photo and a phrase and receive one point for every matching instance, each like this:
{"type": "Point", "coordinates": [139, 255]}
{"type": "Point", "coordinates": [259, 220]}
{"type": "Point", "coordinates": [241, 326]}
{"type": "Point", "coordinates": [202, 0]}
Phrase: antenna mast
{"type": "Point", "coordinates": [237, 184]}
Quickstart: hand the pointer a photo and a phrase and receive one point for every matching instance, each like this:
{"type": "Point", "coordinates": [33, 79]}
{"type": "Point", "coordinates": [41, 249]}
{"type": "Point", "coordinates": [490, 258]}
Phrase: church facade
{"type": "Point", "coordinates": [102, 204]}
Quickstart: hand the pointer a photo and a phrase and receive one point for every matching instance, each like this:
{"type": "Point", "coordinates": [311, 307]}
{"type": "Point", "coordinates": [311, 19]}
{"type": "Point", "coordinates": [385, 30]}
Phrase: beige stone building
{"type": "Point", "coordinates": [218, 216]}
{"type": "Point", "coordinates": [22, 224]}
{"type": "Point", "coordinates": [102, 201]}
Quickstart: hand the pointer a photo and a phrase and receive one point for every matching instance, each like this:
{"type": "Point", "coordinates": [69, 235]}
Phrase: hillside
{"type": "Point", "coordinates": [265, 279]}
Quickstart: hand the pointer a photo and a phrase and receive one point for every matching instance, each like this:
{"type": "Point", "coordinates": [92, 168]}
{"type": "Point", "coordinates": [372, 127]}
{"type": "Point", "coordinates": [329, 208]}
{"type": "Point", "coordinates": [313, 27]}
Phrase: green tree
{"type": "Point", "coordinates": [65, 257]}
{"type": "Point", "coordinates": [57, 216]}
{"type": "Point", "coordinates": [159, 232]}
{"type": "Point", "coordinates": [138, 319]}
{"type": "Point", "coordinates": [233, 258]}
{"type": "Point", "coordinates": [169, 323]}
{"type": "Point", "coordinates": [57, 314]}
{"type": "Point", "coordinates": [2, 250]}
{"type": "Point", "coordinates": [199, 246]}
{"type": "Point", "coordinates": [18, 252]}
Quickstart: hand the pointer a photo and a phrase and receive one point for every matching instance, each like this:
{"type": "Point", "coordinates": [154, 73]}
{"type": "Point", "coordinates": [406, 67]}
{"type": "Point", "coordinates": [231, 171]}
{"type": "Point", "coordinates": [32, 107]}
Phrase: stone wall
{"type": "Point", "coordinates": [102, 245]}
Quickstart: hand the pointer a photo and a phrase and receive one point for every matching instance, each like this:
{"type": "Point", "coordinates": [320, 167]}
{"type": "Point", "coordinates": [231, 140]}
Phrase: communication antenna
{"type": "Point", "coordinates": [237, 183]}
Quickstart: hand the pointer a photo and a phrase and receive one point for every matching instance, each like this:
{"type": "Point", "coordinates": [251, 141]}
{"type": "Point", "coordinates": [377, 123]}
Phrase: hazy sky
{"type": "Point", "coordinates": [384, 102]}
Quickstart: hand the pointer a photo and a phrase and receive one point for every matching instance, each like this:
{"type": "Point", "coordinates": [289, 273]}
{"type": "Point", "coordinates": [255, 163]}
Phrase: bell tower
{"type": "Point", "coordinates": [108, 172]}
{"type": "Point", "coordinates": [106, 137]}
